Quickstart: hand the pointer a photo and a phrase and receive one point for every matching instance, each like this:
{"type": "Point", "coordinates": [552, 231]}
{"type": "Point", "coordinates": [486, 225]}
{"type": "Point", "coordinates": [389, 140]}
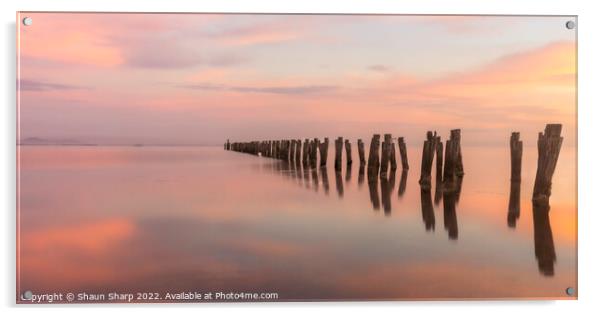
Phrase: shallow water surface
{"type": "Point", "coordinates": [171, 219]}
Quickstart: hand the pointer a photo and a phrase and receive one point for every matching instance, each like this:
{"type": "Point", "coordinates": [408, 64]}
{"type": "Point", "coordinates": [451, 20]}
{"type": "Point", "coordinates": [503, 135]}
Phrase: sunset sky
{"type": "Point", "coordinates": [201, 78]}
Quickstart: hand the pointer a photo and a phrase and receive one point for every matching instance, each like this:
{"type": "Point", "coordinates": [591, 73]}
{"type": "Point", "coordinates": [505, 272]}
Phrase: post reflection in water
{"type": "Point", "coordinates": [402, 183]}
{"type": "Point", "coordinates": [514, 203]}
{"type": "Point", "coordinates": [450, 194]}
{"type": "Point", "coordinates": [428, 213]}
{"type": "Point", "coordinates": [212, 198]}
{"type": "Point", "coordinates": [451, 197]}
{"type": "Point", "coordinates": [449, 215]}
{"type": "Point", "coordinates": [315, 180]}
{"type": "Point", "coordinates": [373, 188]}
{"type": "Point", "coordinates": [339, 183]}
{"type": "Point", "coordinates": [348, 173]}
{"type": "Point", "coordinates": [545, 251]}
{"type": "Point", "coordinates": [360, 176]}
{"type": "Point", "coordinates": [325, 181]}
{"type": "Point", "coordinates": [386, 188]}
{"type": "Point", "coordinates": [438, 191]}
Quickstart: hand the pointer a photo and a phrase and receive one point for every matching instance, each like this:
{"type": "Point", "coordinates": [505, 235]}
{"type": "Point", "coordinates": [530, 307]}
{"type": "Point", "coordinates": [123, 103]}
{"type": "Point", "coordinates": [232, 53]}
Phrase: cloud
{"type": "Point", "coordinates": [379, 68]}
{"type": "Point", "coordinates": [261, 33]}
{"type": "Point", "coordinates": [289, 90]}
{"type": "Point", "coordinates": [30, 85]}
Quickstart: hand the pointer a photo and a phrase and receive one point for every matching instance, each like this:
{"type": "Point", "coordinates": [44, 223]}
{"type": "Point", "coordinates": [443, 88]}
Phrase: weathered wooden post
{"type": "Point", "coordinates": [452, 159]}
{"type": "Point", "coordinates": [455, 134]}
{"type": "Point", "coordinates": [373, 158]}
{"type": "Point", "coordinates": [305, 152]}
{"type": "Point", "coordinates": [516, 155]}
{"type": "Point", "coordinates": [313, 153]}
{"type": "Point", "coordinates": [439, 160]}
{"type": "Point", "coordinates": [361, 153]}
{"type": "Point", "coordinates": [291, 156]}
{"type": "Point", "coordinates": [428, 153]}
{"type": "Point", "coordinates": [548, 150]}
{"type": "Point", "coordinates": [287, 150]}
{"type": "Point", "coordinates": [228, 145]}
{"type": "Point", "coordinates": [338, 147]}
{"type": "Point", "coordinates": [324, 152]}
{"type": "Point", "coordinates": [348, 152]}
{"type": "Point", "coordinates": [298, 151]}
{"type": "Point", "coordinates": [386, 155]}
{"type": "Point", "coordinates": [393, 160]}
{"type": "Point", "coordinates": [403, 153]}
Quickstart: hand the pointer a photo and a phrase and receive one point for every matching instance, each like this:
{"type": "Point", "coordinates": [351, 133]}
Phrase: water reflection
{"type": "Point", "coordinates": [324, 175]}
{"type": "Point", "coordinates": [373, 188]}
{"type": "Point", "coordinates": [313, 178]}
{"type": "Point", "coordinates": [229, 233]}
{"type": "Point", "coordinates": [361, 175]}
{"type": "Point", "coordinates": [428, 213]}
{"type": "Point", "coordinates": [514, 203]}
{"type": "Point", "coordinates": [545, 251]}
{"type": "Point", "coordinates": [386, 188]}
{"type": "Point", "coordinates": [450, 221]}
{"type": "Point", "coordinates": [402, 183]}
{"type": "Point", "coordinates": [339, 182]}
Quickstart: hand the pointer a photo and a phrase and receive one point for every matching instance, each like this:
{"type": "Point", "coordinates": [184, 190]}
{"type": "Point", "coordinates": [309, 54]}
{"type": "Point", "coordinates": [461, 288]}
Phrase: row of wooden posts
{"type": "Point", "coordinates": [306, 152]}
{"type": "Point", "coordinates": [381, 157]}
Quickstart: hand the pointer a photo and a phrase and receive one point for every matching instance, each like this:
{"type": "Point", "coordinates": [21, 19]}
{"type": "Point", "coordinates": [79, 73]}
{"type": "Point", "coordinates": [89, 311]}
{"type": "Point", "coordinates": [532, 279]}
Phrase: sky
{"type": "Point", "coordinates": [184, 79]}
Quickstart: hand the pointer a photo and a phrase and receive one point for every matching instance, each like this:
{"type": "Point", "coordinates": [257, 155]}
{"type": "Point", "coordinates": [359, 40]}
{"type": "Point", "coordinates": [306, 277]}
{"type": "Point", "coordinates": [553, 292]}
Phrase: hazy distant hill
{"type": "Point", "coordinates": [45, 141]}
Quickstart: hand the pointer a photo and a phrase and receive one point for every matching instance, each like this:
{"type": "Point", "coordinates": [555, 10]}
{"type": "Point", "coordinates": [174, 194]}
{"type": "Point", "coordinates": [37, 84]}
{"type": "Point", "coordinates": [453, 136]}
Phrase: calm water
{"type": "Point", "coordinates": [100, 219]}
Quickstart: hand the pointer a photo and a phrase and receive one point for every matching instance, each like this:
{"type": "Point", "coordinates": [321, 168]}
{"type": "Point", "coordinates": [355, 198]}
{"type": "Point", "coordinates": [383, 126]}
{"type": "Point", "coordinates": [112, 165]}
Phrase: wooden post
{"type": "Point", "coordinates": [548, 150]}
{"type": "Point", "coordinates": [439, 161]}
{"type": "Point", "coordinates": [428, 152]}
{"type": "Point", "coordinates": [298, 151]}
{"type": "Point", "coordinates": [393, 160]}
{"type": "Point", "coordinates": [386, 155]}
{"type": "Point", "coordinates": [516, 154]}
{"type": "Point", "coordinates": [348, 152]}
{"type": "Point", "coordinates": [291, 156]}
{"type": "Point", "coordinates": [360, 150]}
{"type": "Point", "coordinates": [373, 160]}
{"type": "Point", "coordinates": [403, 153]}
{"type": "Point", "coordinates": [305, 152]}
{"type": "Point", "coordinates": [324, 152]}
{"type": "Point", "coordinates": [459, 170]}
{"type": "Point", "coordinates": [338, 147]}
{"type": "Point", "coordinates": [452, 159]}
{"type": "Point", "coordinates": [313, 154]}
{"type": "Point", "coordinates": [228, 145]}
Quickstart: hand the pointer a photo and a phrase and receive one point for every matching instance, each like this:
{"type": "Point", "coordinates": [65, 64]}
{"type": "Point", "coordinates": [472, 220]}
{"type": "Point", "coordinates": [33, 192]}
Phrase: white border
{"type": "Point", "coordinates": [589, 169]}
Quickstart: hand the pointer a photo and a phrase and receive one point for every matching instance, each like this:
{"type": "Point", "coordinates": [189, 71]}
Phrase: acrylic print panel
{"type": "Point", "coordinates": [239, 157]}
